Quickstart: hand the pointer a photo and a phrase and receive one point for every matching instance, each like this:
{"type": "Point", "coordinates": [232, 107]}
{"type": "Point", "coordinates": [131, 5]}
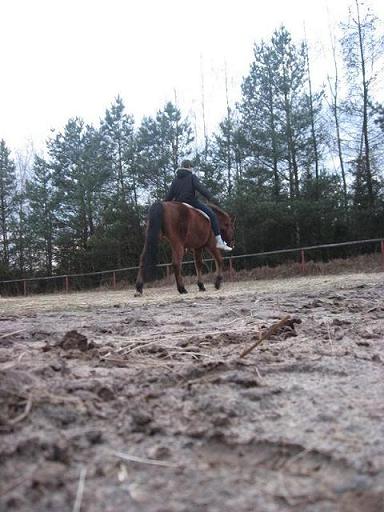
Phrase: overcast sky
{"type": "Point", "coordinates": [65, 58]}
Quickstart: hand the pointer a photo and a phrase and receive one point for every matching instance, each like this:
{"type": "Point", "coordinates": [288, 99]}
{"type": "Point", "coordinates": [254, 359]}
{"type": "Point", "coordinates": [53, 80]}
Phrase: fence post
{"type": "Point", "coordinates": [66, 284]}
{"type": "Point", "coordinates": [230, 269]}
{"type": "Point", "coordinates": [302, 261]}
{"type": "Point", "coordinates": [114, 280]}
{"type": "Point", "coordinates": [25, 287]}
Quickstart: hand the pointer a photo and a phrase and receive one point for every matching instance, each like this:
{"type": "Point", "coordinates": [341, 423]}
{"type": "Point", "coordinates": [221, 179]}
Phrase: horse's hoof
{"type": "Point", "coordinates": [138, 294]}
{"type": "Point", "coordinates": [201, 287]}
{"type": "Point", "coordinates": [218, 282]}
{"type": "Point", "coordinates": [182, 290]}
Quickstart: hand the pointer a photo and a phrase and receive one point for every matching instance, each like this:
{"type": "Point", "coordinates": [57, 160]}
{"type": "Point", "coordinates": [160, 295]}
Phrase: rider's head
{"type": "Point", "coordinates": [186, 164]}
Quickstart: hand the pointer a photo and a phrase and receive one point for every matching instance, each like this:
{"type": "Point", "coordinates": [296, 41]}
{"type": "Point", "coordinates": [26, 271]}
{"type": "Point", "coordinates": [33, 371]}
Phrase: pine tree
{"type": "Point", "coordinates": [21, 235]}
{"type": "Point", "coordinates": [118, 142]}
{"type": "Point", "coordinates": [80, 178]}
{"type": "Point", "coordinates": [163, 142]}
{"type": "Point", "coordinates": [290, 78]}
{"type": "Point", "coordinates": [7, 201]}
{"type": "Point", "coordinates": [42, 205]}
{"type": "Point", "coordinates": [260, 124]}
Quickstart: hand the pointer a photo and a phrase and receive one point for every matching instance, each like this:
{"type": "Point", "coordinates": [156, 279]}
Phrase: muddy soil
{"type": "Point", "coordinates": [114, 403]}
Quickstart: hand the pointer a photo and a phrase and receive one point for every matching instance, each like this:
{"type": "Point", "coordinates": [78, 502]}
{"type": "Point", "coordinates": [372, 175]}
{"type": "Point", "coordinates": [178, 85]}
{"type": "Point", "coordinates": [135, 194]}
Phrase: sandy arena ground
{"type": "Point", "coordinates": [110, 403]}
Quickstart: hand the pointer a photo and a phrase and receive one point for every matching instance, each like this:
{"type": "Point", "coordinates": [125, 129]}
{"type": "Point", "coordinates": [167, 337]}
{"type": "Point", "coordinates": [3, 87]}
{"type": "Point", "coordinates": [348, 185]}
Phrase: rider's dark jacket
{"type": "Point", "coordinates": [184, 188]}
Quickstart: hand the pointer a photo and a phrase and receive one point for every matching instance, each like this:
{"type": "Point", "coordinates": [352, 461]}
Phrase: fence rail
{"type": "Point", "coordinates": [299, 250]}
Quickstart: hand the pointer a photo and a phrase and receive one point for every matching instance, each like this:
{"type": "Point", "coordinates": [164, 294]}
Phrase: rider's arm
{"type": "Point", "coordinates": [171, 193]}
{"type": "Point", "coordinates": [200, 188]}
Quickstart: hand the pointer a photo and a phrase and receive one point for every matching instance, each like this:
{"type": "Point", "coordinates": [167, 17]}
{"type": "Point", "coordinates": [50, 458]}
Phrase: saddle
{"type": "Point", "coordinates": [200, 211]}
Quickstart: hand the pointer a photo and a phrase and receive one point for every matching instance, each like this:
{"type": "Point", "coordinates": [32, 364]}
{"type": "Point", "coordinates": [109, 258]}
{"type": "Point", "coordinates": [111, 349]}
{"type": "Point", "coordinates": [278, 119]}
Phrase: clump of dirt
{"type": "Point", "coordinates": [74, 340]}
{"type": "Point", "coordinates": [148, 406]}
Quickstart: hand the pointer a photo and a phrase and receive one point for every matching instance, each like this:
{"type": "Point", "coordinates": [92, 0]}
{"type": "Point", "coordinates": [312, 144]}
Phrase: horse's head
{"type": "Point", "coordinates": [227, 225]}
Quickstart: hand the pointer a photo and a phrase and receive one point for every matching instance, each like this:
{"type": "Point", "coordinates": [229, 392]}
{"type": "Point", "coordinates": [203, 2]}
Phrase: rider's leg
{"type": "Point", "coordinates": [220, 244]}
{"type": "Point", "coordinates": [211, 214]}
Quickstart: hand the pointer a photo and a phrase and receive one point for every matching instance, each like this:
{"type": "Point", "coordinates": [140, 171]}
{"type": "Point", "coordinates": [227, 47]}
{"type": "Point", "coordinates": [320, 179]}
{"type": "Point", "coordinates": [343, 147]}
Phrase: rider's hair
{"type": "Point", "coordinates": [186, 164]}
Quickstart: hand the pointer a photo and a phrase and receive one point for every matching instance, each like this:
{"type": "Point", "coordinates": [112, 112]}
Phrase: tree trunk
{"type": "Point", "coordinates": [313, 131]}
{"type": "Point", "coordinates": [365, 113]}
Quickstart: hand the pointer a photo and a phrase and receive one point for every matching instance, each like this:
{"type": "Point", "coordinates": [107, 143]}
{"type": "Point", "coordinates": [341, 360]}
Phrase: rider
{"type": "Point", "coordinates": [183, 189]}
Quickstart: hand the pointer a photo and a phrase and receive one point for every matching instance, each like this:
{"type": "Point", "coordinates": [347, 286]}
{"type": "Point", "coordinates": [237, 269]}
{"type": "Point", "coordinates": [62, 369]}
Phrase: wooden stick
{"type": "Point", "coordinates": [80, 490]}
{"type": "Point", "coordinates": [155, 462]}
{"type": "Point", "coordinates": [266, 334]}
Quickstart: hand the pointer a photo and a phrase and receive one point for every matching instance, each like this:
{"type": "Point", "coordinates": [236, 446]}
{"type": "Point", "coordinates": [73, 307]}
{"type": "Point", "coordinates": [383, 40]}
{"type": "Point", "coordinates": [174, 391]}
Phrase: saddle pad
{"type": "Point", "coordinates": [200, 211]}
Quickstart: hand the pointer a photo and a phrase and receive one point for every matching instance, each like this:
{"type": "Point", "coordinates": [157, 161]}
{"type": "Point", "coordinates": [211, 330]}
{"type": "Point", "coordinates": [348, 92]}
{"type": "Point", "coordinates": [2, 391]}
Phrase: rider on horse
{"type": "Point", "coordinates": [183, 189]}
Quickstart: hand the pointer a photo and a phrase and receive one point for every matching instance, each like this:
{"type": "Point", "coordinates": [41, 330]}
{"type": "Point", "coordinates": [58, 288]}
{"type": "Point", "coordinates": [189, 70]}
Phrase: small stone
{"type": "Point", "coordinates": [159, 452]}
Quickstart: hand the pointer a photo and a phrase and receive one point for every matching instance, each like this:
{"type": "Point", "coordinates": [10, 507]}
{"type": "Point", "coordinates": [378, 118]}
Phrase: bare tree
{"type": "Point", "coordinates": [363, 49]}
{"type": "Point", "coordinates": [333, 85]}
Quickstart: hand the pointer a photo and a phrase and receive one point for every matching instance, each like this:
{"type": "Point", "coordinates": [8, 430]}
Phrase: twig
{"type": "Point", "coordinates": [11, 333]}
{"type": "Point", "coordinates": [266, 334]}
{"type": "Point", "coordinates": [7, 366]}
{"type": "Point", "coordinates": [154, 462]}
{"type": "Point", "coordinates": [21, 357]}
{"type": "Point", "coordinates": [138, 347]}
{"type": "Point", "coordinates": [80, 490]}
{"type": "Point", "coordinates": [176, 335]}
{"type": "Point", "coordinates": [330, 337]}
{"type": "Point", "coordinates": [24, 414]}
{"type": "Point", "coordinates": [288, 462]}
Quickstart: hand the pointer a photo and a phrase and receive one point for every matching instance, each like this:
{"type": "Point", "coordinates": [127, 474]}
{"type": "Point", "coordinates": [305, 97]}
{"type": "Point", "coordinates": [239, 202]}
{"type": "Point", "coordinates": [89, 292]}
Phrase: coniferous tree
{"type": "Point", "coordinates": [42, 207]}
{"type": "Point", "coordinates": [289, 64]}
{"type": "Point", "coordinates": [227, 154]}
{"type": "Point", "coordinates": [118, 142]}
{"type": "Point", "coordinates": [79, 178]}
{"type": "Point", "coordinates": [21, 235]}
{"type": "Point", "coordinates": [7, 201]}
{"type": "Point", "coordinates": [260, 118]}
{"type": "Point", "coordinates": [163, 141]}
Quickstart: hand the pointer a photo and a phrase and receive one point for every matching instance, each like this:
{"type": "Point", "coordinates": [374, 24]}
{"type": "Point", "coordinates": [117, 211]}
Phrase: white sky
{"type": "Point", "coordinates": [65, 58]}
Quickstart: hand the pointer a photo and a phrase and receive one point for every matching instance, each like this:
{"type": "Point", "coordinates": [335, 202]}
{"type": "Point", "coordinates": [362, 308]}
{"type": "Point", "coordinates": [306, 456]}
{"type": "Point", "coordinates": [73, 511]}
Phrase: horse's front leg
{"type": "Point", "coordinates": [198, 256]}
{"type": "Point", "coordinates": [177, 258]}
{"type": "Point", "coordinates": [216, 254]}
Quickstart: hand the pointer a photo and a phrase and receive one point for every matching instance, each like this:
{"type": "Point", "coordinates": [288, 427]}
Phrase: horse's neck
{"type": "Point", "coordinates": [219, 213]}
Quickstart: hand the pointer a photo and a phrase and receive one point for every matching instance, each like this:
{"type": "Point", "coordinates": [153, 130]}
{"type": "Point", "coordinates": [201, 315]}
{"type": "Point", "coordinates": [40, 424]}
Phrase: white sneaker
{"type": "Point", "coordinates": [220, 244]}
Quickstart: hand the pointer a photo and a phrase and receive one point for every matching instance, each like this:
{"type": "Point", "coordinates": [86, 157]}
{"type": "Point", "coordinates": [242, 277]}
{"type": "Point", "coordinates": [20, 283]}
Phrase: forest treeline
{"type": "Point", "coordinates": [298, 164]}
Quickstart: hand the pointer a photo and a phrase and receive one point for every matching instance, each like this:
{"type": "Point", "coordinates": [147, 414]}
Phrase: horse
{"type": "Point", "coordinates": [185, 228]}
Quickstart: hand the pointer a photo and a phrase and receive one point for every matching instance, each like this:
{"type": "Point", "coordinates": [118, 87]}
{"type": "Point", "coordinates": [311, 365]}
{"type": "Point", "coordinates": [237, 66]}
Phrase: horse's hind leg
{"type": "Point", "coordinates": [198, 254]}
{"type": "Point", "coordinates": [177, 258]}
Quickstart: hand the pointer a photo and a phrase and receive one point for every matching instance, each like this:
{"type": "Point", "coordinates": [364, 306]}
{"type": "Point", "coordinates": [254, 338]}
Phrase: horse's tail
{"type": "Point", "coordinates": [155, 219]}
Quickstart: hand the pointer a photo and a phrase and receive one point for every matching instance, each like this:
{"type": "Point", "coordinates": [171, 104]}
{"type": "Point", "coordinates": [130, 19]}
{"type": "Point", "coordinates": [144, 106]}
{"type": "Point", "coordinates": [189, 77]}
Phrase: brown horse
{"type": "Point", "coordinates": [184, 228]}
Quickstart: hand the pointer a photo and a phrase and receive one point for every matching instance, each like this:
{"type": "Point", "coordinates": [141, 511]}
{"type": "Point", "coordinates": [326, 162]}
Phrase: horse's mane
{"type": "Point", "coordinates": [217, 209]}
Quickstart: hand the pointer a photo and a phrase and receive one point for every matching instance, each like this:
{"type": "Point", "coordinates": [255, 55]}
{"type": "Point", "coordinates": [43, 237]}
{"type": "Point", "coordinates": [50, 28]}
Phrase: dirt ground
{"type": "Point", "coordinates": [115, 403]}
